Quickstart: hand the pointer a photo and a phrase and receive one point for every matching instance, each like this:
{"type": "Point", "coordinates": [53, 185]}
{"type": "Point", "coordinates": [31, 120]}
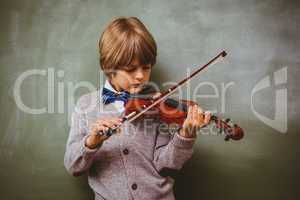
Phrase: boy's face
{"type": "Point", "coordinates": [131, 78]}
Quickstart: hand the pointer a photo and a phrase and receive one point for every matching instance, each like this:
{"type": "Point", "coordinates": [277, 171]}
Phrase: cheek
{"type": "Point", "coordinates": [124, 80]}
{"type": "Point", "coordinates": [147, 76]}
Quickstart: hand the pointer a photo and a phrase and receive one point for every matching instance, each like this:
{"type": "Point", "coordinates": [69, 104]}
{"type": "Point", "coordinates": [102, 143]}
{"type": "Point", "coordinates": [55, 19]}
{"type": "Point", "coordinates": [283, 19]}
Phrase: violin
{"type": "Point", "coordinates": [171, 111]}
{"type": "Point", "coordinates": [174, 112]}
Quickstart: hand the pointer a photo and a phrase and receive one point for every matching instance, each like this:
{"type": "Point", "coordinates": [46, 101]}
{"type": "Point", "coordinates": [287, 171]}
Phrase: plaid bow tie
{"type": "Point", "coordinates": [109, 96]}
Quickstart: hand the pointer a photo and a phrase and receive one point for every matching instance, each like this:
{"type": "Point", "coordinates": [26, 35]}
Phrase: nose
{"type": "Point", "coordinates": [139, 75]}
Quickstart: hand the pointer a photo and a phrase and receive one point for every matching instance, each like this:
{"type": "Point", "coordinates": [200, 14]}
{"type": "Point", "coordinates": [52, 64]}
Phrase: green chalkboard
{"type": "Point", "coordinates": [49, 58]}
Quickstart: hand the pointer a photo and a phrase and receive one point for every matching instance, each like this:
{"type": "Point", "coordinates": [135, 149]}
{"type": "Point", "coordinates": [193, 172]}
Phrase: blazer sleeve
{"type": "Point", "coordinates": [172, 150]}
{"type": "Point", "coordinates": [78, 158]}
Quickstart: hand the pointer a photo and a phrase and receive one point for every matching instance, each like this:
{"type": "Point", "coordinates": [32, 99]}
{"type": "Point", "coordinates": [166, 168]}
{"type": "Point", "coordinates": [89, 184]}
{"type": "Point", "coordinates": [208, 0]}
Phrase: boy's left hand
{"type": "Point", "coordinates": [195, 120]}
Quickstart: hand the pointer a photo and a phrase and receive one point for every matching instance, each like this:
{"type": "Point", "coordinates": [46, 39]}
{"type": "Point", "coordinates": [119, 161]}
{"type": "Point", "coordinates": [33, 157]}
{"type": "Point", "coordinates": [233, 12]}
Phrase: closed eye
{"type": "Point", "coordinates": [129, 68]}
{"type": "Point", "coordinates": [146, 67]}
{"type": "Point", "coordinates": [133, 68]}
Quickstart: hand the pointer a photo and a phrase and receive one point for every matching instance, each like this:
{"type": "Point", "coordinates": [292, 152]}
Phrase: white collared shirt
{"type": "Point", "coordinates": [119, 105]}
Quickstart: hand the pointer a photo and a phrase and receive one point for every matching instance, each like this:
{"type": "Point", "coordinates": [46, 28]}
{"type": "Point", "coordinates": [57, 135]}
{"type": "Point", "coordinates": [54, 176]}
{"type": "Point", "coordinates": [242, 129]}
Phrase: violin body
{"type": "Point", "coordinates": [169, 111]}
{"type": "Point", "coordinates": [173, 111]}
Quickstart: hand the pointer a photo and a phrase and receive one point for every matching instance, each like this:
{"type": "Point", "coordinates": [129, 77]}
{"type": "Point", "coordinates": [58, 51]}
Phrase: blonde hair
{"type": "Point", "coordinates": [123, 40]}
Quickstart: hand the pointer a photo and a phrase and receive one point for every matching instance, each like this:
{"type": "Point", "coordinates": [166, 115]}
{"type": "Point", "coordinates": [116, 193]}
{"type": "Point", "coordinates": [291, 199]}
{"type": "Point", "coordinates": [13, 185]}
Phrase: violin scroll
{"type": "Point", "coordinates": [233, 132]}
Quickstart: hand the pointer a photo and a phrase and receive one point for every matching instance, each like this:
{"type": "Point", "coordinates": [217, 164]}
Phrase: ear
{"type": "Point", "coordinates": [112, 75]}
{"type": "Point", "coordinates": [109, 75]}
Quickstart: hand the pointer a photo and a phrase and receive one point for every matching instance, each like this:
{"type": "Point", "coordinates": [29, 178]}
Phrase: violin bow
{"type": "Point", "coordinates": [134, 115]}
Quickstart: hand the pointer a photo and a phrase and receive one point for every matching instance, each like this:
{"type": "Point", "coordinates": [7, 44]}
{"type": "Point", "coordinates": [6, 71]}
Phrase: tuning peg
{"type": "Point", "coordinates": [227, 137]}
{"type": "Point", "coordinates": [220, 130]}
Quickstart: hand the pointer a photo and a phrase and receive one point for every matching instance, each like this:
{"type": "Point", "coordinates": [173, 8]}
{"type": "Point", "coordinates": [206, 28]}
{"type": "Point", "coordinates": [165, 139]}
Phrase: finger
{"type": "Point", "coordinates": [115, 124]}
{"type": "Point", "coordinates": [110, 123]}
{"type": "Point", "coordinates": [185, 123]}
{"type": "Point", "coordinates": [188, 123]}
{"type": "Point", "coordinates": [116, 121]}
{"type": "Point", "coordinates": [195, 112]}
{"type": "Point", "coordinates": [200, 113]}
{"type": "Point", "coordinates": [99, 128]}
{"type": "Point", "coordinates": [194, 122]}
{"type": "Point", "coordinates": [195, 117]}
{"type": "Point", "coordinates": [105, 123]}
{"type": "Point", "coordinates": [189, 113]}
{"type": "Point", "coordinates": [199, 117]}
{"type": "Point", "coordinates": [102, 128]}
{"type": "Point", "coordinates": [207, 117]}
{"type": "Point", "coordinates": [118, 131]}
{"type": "Point", "coordinates": [113, 119]}
{"type": "Point", "coordinates": [103, 131]}
{"type": "Point", "coordinates": [191, 118]}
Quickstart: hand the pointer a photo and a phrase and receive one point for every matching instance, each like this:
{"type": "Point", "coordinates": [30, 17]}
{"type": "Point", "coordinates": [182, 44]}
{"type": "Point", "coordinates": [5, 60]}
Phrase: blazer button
{"type": "Point", "coordinates": [134, 186]}
{"type": "Point", "coordinates": [126, 151]}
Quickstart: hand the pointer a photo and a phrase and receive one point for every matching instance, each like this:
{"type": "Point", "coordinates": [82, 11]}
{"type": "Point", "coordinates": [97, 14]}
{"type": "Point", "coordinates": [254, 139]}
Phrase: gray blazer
{"type": "Point", "coordinates": [129, 165]}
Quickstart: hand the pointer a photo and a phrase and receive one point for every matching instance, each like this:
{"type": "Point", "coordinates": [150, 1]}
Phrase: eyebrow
{"type": "Point", "coordinates": [134, 65]}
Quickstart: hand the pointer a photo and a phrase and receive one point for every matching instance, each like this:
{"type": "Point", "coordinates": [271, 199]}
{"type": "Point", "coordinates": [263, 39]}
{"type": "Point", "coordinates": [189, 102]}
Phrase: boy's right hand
{"type": "Point", "coordinates": [95, 139]}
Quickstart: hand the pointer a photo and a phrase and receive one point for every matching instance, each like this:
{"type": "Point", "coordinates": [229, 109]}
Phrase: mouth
{"type": "Point", "coordinates": [138, 85]}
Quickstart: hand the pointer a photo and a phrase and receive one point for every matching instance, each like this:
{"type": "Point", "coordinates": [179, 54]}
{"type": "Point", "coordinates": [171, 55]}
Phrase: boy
{"type": "Point", "coordinates": [128, 165]}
